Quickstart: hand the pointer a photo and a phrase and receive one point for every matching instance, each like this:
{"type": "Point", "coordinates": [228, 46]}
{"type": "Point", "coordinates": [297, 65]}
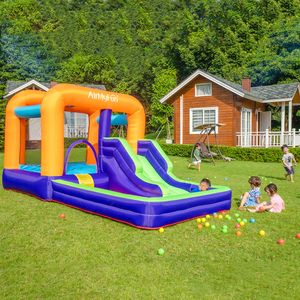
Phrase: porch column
{"type": "Point", "coordinates": [282, 122]}
{"type": "Point", "coordinates": [290, 115]}
{"type": "Point", "coordinates": [181, 120]}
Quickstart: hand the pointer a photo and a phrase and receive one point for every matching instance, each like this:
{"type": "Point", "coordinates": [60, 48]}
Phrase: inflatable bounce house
{"type": "Point", "coordinates": [129, 181]}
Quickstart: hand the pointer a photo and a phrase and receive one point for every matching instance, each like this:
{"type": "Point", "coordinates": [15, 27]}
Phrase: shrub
{"type": "Point", "coordinates": [247, 154]}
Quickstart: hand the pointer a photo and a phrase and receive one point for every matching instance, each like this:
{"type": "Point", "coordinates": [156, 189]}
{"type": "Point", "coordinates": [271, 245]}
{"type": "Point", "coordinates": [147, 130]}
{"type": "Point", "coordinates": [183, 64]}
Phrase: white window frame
{"type": "Point", "coordinates": [198, 84]}
{"type": "Point", "coordinates": [216, 108]}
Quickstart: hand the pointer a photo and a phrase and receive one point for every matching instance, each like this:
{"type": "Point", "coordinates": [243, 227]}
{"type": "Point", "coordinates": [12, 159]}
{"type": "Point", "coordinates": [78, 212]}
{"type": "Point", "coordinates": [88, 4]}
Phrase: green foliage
{"type": "Point", "coordinates": [163, 83]}
{"type": "Point", "coordinates": [87, 68]}
{"type": "Point", "coordinates": [242, 154]}
{"type": "Point", "coordinates": [146, 47]}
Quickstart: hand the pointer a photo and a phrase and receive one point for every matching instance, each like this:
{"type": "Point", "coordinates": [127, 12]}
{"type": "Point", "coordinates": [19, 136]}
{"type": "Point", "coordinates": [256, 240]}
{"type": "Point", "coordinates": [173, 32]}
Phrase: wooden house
{"type": "Point", "coordinates": [204, 98]}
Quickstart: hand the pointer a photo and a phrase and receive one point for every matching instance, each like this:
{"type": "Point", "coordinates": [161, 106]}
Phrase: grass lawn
{"type": "Point", "coordinates": [89, 257]}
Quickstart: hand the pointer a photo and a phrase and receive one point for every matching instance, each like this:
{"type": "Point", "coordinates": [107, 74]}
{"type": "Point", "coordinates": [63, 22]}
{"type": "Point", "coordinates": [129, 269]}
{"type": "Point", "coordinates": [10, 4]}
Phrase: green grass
{"type": "Point", "coordinates": [89, 257]}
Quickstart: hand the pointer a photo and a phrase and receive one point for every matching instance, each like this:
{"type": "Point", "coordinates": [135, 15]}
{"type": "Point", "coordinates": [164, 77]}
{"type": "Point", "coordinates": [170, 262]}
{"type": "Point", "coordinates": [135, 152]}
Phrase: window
{"type": "Point", "coordinates": [200, 116]}
{"type": "Point", "coordinates": [203, 89]}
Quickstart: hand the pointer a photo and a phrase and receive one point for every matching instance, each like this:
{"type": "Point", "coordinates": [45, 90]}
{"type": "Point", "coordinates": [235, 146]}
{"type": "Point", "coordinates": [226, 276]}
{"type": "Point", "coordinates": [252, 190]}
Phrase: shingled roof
{"type": "Point", "coordinates": [260, 93]}
{"type": "Point", "coordinates": [12, 87]}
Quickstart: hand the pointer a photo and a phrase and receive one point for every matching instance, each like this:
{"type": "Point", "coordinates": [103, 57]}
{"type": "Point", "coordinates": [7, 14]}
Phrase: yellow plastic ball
{"type": "Point", "coordinates": [207, 216]}
{"type": "Point", "coordinates": [206, 224]}
{"type": "Point", "coordinates": [220, 217]}
{"type": "Point", "coordinates": [262, 233]}
{"type": "Point", "coordinates": [203, 220]}
{"type": "Point", "coordinates": [242, 223]}
{"type": "Point", "coordinates": [161, 230]}
{"type": "Point", "coordinates": [198, 220]}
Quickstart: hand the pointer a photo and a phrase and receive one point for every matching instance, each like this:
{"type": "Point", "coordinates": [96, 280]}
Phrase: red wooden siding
{"type": "Point", "coordinates": [229, 112]}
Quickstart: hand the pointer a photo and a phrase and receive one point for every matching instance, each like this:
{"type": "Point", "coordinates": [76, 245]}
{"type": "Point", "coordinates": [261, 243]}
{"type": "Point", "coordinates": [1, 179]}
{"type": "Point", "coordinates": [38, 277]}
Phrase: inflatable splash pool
{"type": "Point", "coordinates": [130, 181]}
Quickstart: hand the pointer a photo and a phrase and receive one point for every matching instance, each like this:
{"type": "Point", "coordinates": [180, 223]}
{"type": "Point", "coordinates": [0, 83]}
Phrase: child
{"type": "Point", "coordinates": [204, 185]}
{"type": "Point", "coordinates": [288, 159]}
{"type": "Point", "coordinates": [196, 157]}
{"type": "Point", "coordinates": [275, 205]}
{"type": "Point", "coordinates": [252, 198]}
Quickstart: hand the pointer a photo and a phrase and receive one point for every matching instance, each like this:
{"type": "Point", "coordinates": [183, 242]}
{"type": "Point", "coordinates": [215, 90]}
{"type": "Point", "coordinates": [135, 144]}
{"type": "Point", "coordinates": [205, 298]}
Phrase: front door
{"type": "Point", "coordinates": [246, 127]}
{"type": "Point", "coordinates": [265, 120]}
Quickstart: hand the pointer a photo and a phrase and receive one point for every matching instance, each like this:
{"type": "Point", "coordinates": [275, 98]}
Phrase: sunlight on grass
{"type": "Point", "coordinates": [89, 257]}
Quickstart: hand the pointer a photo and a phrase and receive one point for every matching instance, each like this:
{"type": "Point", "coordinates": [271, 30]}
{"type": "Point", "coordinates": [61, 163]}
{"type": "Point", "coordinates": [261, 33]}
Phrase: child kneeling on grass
{"type": "Point", "coordinates": [252, 198]}
{"type": "Point", "coordinates": [276, 203]}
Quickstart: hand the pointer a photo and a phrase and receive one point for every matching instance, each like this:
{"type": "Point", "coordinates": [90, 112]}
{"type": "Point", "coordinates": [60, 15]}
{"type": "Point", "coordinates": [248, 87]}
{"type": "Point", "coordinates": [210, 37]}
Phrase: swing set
{"type": "Point", "coordinates": [205, 130]}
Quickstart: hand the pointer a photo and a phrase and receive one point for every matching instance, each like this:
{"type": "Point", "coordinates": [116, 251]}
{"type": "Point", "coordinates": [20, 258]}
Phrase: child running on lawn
{"type": "Point", "coordinates": [196, 159]}
{"type": "Point", "coordinates": [288, 159]}
{"type": "Point", "coordinates": [252, 198]}
{"type": "Point", "coordinates": [276, 203]}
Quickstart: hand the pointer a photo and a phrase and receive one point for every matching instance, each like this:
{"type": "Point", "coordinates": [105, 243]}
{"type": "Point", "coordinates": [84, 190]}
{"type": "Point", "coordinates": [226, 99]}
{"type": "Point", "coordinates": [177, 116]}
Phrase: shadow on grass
{"type": "Point", "coordinates": [236, 201]}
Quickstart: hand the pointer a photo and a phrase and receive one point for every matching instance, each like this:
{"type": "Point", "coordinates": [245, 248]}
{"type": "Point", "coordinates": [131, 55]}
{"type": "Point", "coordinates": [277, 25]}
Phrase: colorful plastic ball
{"type": "Point", "coordinates": [298, 235]}
{"type": "Point", "coordinates": [206, 224]}
{"type": "Point", "coordinates": [245, 220]}
{"type": "Point", "coordinates": [238, 233]}
{"type": "Point", "coordinates": [198, 220]}
{"type": "Point", "coordinates": [262, 233]}
{"type": "Point", "coordinates": [280, 242]}
{"type": "Point", "coordinates": [220, 217]}
{"type": "Point", "coordinates": [225, 226]}
{"type": "Point", "coordinates": [215, 215]}
{"type": "Point", "coordinates": [207, 216]}
{"type": "Point", "coordinates": [225, 178]}
{"type": "Point", "coordinates": [261, 209]}
{"type": "Point", "coordinates": [228, 218]}
{"type": "Point", "coordinates": [200, 226]}
{"type": "Point", "coordinates": [236, 215]}
{"type": "Point", "coordinates": [161, 229]}
{"type": "Point", "coordinates": [223, 212]}
{"type": "Point", "coordinates": [224, 230]}
{"type": "Point", "coordinates": [252, 220]}
{"type": "Point", "coordinates": [237, 226]}
{"type": "Point", "coordinates": [242, 223]}
{"type": "Point", "coordinates": [213, 227]}
{"type": "Point", "coordinates": [62, 216]}
{"type": "Point", "coordinates": [239, 220]}
{"type": "Point", "coordinates": [160, 251]}
{"type": "Point", "coordinates": [203, 220]}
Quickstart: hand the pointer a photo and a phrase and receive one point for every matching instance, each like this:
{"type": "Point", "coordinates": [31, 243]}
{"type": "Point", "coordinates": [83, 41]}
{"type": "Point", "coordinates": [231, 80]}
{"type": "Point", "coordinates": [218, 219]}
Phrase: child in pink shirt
{"type": "Point", "coordinates": [276, 203]}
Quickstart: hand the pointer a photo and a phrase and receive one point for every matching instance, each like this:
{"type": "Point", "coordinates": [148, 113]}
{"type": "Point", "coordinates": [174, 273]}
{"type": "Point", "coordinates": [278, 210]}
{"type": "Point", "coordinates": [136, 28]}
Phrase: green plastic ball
{"type": "Point", "coordinates": [213, 227]}
{"type": "Point", "coordinates": [239, 220]}
{"type": "Point", "coordinates": [161, 251]}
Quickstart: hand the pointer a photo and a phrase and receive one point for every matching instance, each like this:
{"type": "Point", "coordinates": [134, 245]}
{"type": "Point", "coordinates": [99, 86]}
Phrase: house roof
{"type": "Point", "coordinates": [270, 93]}
{"type": "Point", "coordinates": [13, 87]}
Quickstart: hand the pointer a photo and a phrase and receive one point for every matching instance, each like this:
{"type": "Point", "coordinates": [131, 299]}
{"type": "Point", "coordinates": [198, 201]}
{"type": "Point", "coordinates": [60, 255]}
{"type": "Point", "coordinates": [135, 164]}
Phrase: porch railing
{"type": "Point", "coordinates": [268, 139]}
{"type": "Point", "coordinates": [75, 131]}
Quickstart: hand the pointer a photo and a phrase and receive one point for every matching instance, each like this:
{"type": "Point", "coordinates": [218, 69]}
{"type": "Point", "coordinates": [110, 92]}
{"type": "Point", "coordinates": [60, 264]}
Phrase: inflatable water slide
{"type": "Point", "coordinates": [128, 180]}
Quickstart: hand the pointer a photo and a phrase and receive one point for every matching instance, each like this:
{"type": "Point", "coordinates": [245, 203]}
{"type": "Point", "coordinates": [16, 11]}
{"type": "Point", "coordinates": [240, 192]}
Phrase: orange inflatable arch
{"type": "Point", "coordinates": [61, 98]}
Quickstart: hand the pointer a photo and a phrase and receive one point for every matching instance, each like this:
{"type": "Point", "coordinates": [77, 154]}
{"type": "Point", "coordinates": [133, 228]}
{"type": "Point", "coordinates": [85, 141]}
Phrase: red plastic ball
{"type": "Point", "coordinates": [280, 242]}
{"type": "Point", "coordinates": [298, 235]}
{"type": "Point", "coordinates": [238, 233]}
{"type": "Point", "coordinates": [200, 226]}
{"type": "Point", "coordinates": [62, 216]}
{"type": "Point", "coordinates": [237, 226]}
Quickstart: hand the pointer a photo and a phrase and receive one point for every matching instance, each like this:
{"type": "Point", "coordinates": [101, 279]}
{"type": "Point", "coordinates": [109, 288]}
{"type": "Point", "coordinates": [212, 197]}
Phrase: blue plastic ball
{"type": "Point", "coordinates": [252, 220]}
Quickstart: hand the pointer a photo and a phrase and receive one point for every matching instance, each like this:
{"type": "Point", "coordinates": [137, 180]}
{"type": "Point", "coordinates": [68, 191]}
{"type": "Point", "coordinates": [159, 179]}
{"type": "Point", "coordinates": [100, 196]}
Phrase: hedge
{"type": "Point", "coordinates": [237, 153]}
